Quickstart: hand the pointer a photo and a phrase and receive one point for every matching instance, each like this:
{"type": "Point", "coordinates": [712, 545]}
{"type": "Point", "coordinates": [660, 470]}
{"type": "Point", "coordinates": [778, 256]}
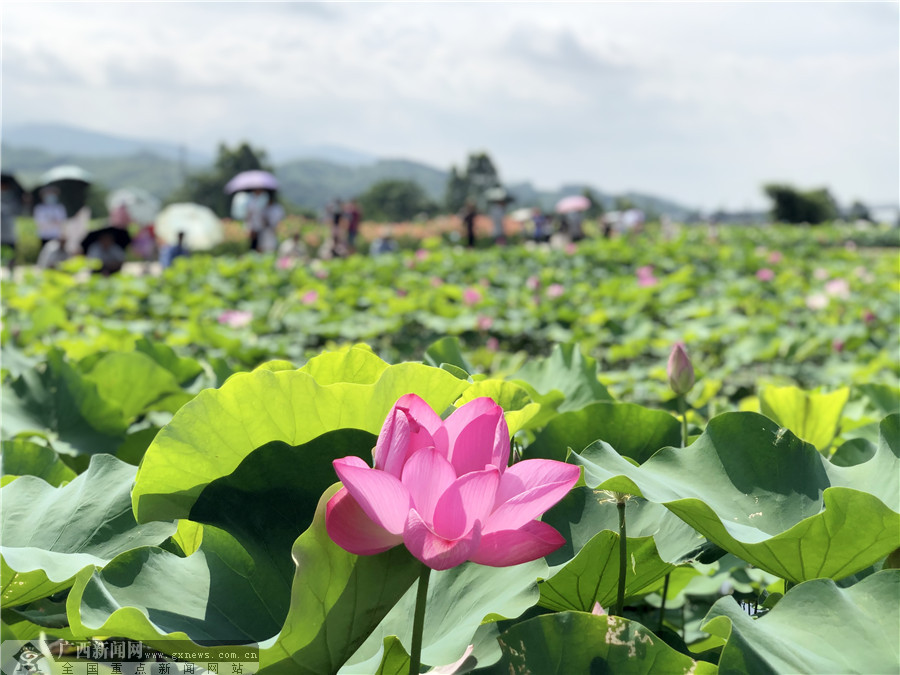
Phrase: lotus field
{"type": "Point", "coordinates": [626, 456]}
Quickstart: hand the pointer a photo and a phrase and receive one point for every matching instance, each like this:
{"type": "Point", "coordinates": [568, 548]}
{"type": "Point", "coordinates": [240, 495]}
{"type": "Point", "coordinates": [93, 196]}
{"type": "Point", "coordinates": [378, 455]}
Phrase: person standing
{"type": "Point", "coordinates": [498, 210]}
{"type": "Point", "coordinates": [255, 219]}
{"type": "Point", "coordinates": [354, 217]}
{"type": "Point", "coordinates": [10, 208]}
{"type": "Point", "coordinates": [49, 215]}
{"type": "Point", "coordinates": [468, 215]}
{"type": "Point", "coordinates": [168, 254]}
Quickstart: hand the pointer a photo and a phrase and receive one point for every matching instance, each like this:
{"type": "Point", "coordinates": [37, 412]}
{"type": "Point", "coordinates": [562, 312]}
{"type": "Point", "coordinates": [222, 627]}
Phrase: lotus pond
{"type": "Point", "coordinates": [170, 447]}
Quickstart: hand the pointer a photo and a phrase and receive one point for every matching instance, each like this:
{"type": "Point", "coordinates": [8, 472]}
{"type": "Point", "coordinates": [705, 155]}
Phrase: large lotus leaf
{"type": "Point", "coordinates": [210, 436]}
{"type": "Point", "coordinates": [117, 374]}
{"type": "Point", "coordinates": [576, 642]}
{"type": "Point", "coordinates": [60, 402]}
{"type": "Point", "coordinates": [632, 430]}
{"type": "Point", "coordinates": [583, 513]}
{"type": "Point", "coordinates": [357, 365]}
{"type": "Point", "coordinates": [27, 458]}
{"type": "Point", "coordinates": [568, 371]}
{"type": "Point", "coordinates": [337, 600]}
{"type": "Point", "coordinates": [270, 498]}
{"type": "Point", "coordinates": [812, 416]}
{"type": "Point", "coordinates": [758, 491]}
{"type": "Point", "coordinates": [50, 533]}
{"type": "Point", "coordinates": [215, 596]}
{"type": "Point", "coordinates": [816, 628]}
{"type": "Point", "coordinates": [460, 600]}
{"type": "Point", "coordinates": [520, 411]}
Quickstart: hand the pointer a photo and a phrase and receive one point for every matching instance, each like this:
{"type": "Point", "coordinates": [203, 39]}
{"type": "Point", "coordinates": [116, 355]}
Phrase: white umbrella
{"type": "Point", "coordinates": [142, 206]}
{"type": "Point", "coordinates": [65, 172]}
{"type": "Point", "coordinates": [202, 228]}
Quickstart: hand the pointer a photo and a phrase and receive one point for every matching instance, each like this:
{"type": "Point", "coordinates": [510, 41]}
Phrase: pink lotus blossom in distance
{"type": "Point", "coordinates": [402, 292]}
{"type": "Point", "coordinates": [765, 274]}
{"type": "Point", "coordinates": [236, 318]}
{"type": "Point", "coordinates": [820, 274]}
{"type": "Point", "coordinates": [532, 283]}
{"type": "Point", "coordinates": [868, 316]}
{"type": "Point", "coordinates": [838, 288]}
{"type": "Point", "coordinates": [645, 276]}
{"type": "Point", "coordinates": [443, 489]}
{"type": "Point", "coordinates": [436, 282]}
{"type": "Point", "coordinates": [485, 322]}
{"type": "Point", "coordinates": [321, 273]}
{"type": "Point", "coordinates": [285, 262]}
{"type": "Point", "coordinates": [555, 290]}
{"type": "Point", "coordinates": [492, 344]}
{"type": "Point", "coordinates": [472, 296]}
{"type": "Point", "coordinates": [422, 254]}
{"type": "Point", "coordinates": [310, 297]}
{"type": "Point", "coordinates": [571, 248]}
{"type": "Point", "coordinates": [775, 257]}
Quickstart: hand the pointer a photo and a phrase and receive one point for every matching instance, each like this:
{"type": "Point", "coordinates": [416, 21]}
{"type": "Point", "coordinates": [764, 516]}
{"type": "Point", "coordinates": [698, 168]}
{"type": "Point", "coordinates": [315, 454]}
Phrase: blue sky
{"type": "Point", "coordinates": [699, 102]}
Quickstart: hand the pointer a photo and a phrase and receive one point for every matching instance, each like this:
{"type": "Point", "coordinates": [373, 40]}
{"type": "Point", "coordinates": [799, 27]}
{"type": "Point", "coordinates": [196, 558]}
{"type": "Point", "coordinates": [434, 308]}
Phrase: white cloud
{"type": "Point", "coordinates": [698, 102]}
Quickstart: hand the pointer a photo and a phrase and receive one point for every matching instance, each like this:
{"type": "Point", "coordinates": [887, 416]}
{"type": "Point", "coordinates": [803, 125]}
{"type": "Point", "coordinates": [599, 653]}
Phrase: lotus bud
{"type": "Point", "coordinates": [680, 370]}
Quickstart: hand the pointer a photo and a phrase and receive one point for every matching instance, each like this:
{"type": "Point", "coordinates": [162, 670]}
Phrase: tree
{"type": "Point", "coordinates": [208, 188]}
{"type": "Point", "coordinates": [596, 208]}
{"type": "Point", "coordinates": [395, 201]}
{"type": "Point", "coordinates": [480, 175]}
{"type": "Point", "coordinates": [859, 211]}
{"type": "Point", "coordinates": [790, 205]}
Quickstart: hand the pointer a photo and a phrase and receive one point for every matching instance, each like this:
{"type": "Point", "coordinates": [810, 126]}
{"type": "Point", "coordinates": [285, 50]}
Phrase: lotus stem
{"type": "Point", "coordinates": [415, 656]}
{"type": "Point", "coordinates": [623, 568]}
{"type": "Point", "coordinates": [682, 408]}
{"type": "Point", "coordinates": [662, 605]}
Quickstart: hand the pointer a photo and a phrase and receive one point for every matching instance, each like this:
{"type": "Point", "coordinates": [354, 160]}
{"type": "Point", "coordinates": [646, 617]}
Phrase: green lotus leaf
{"type": "Point", "coordinates": [50, 533]}
{"type": "Point", "coordinates": [812, 416]}
{"type": "Point", "coordinates": [394, 659]}
{"type": "Point", "coordinates": [60, 402]}
{"type": "Point", "coordinates": [210, 436]}
{"type": "Point", "coordinates": [577, 642]}
{"type": "Point", "coordinates": [116, 374]}
{"type": "Point", "coordinates": [632, 430]}
{"type": "Point", "coordinates": [816, 628]}
{"type": "Point", "coordinates": [27, 458]}
{"type": "Point", "coordinates": [464, 603]}
{"type": "Point", "coordinates": [447, 350]}
{"type": "Point", "coordinates": [337, 600]}
{"type": "Point", "coordinates": [515, 401]}
{"type": "Point", "coordinates": [568, 371]}
{"type": "Point", "coordinates": [214, 596]}
{"type": "Point", "coordinates": [357, 365]}
{"type": "Point", "coordinates": [183, 368]}
{"type": "Point", "coordinates": [758, 491]}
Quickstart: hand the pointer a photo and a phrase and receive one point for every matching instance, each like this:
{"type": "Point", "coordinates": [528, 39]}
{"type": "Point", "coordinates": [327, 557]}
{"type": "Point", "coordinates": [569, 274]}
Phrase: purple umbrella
{"type": "Point", "coordinates": [573, 203]}
{"type": "Point", "coordinates": [252, 180]}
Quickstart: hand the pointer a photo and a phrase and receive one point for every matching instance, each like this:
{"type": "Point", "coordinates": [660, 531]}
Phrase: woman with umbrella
{"type": "Point", "coordinates": [107, 245]}
{"type": "Point", "coordinates": [263, 210]}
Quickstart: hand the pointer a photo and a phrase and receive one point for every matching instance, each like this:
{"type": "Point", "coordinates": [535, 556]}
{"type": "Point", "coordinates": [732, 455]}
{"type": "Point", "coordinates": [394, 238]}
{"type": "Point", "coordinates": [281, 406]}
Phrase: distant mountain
{"type": "Point", "coordinates": [322, 172]}
{"type": "Point", "coordinates": [59, 139]}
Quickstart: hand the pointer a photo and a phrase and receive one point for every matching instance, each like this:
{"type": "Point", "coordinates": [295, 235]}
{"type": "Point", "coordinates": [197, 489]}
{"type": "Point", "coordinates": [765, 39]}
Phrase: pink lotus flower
{"type": "Point", "coordinates": [838, 288]}
{"type": "Point", "coordinates": [443, 489]}
{"type": "Point", "coordinates": [236, 318]}
{"type": "Point", "coordinates": [645, 276]}
{"type": "Point", "coordinates": [422, 254]}
{"type": "Point", "coordinates": [285, 263]}
{"type": "Point", "coordinates": [472, 296]}
{"type": "Point", "coordinates": [646, 282]}
{"type": "Point", "coordinates": [485, 322]}
{"type": "Point", "coordinates": [820, 274]}
{"type": "Point", "coordinates": [532, 283]}
{"type": "Point", "coordinates": [436, 282]}
{"type": "Point", "coordinates": [492, 344]}
{"type": "Point", "coordinates": [775, 257]}
{"type": "Point", "coordinates": [838, 346]}
{"type": "Point", "coordinates": [310, 297]}
{"type": "Point", "coordinates": [402, 292]}
{"type": "Point", "coordinates": [868, 316]}
{"type": "Point", "coordinates": [555, 290]}
{"type": "Point", "coordinates": [321, 273]}
{"type": "Point", "coordinates": [765, 274]}
{"type": "Point", "coordinates": [571, 248]}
